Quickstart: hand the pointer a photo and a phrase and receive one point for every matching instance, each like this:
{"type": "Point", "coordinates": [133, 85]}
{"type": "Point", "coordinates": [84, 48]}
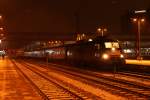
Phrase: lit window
{"type": "Point", "coordinates": [111, 44]}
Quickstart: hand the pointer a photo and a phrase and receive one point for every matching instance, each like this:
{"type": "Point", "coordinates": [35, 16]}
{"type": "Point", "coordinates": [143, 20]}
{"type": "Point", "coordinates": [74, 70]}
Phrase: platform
{"type": "Point", "coordinates": [12, 85]}
{"type": "Point", "coordinates": [138, 62]}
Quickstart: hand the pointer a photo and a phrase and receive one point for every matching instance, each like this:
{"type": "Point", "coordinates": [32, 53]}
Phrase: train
{"type": "Point", "coordinates": [100, 51]}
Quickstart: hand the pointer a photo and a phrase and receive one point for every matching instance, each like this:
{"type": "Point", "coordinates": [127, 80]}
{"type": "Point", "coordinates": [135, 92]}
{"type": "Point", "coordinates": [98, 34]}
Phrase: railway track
{"type": "Point", "coordinates": [138, 75]}
{"type": "Point", "coordinates": [50, 88]}
{"type": "Point", "coordinates": [120, 86]}
{"type": "Point", "coordinates": [128, 73]}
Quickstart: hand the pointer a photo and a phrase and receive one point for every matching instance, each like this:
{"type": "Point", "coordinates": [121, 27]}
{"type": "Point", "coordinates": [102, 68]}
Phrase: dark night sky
{"type": "Point", "coordinates": [58, 16]}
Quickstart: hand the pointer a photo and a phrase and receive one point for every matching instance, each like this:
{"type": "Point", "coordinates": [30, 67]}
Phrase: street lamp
{"type": "Point", "coordinates": [101, 30]}
{"type": "Point", "coordinates": [139, 21]}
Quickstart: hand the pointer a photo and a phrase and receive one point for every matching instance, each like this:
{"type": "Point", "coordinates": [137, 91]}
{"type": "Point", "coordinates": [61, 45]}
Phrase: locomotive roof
{"type": "Point", "coordinates": [99, 38]}
{"type": "Point", "coordinates": [95, 40]}
{"type": "Point", "coordinates": [104, 38]}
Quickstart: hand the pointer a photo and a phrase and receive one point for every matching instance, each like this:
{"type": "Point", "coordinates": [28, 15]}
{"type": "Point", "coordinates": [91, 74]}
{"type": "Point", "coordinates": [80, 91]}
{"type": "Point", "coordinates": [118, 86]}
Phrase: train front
{"type": "Point", "coordinates": [112, 53]}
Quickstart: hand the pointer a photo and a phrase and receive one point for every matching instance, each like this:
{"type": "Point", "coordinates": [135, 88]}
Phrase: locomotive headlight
{"type": "Point", "coordinates": [105, 56]}
{"type": "Point", "coordinates": [121, 56]}
{"type": "Point", "coordinates": [113, 49]}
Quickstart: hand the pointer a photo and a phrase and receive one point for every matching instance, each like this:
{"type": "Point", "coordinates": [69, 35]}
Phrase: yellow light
{"type": "Point", "coordinates": [121, 56]}
{"type": "Point", "coordinates": [0, 16]}
{"type": "Point", "coordinates": [140, 11]}
{"type": "Point", "coordinates": [1, 28]}
{"type": "Point", "coordinates": [0, 41]}
{"type": "Point", "coordinates": [113, 49]}
{"type": "Point", "coordinates": [134, 19]}
{"type": "Point", "coordinates": [99, 29]}
{"type": "Point", "coordinates": [105, 56]}
{"type": "Point", "coordinates": [142, 20]}
{"type": "Point", "coordinates": [90, 40]}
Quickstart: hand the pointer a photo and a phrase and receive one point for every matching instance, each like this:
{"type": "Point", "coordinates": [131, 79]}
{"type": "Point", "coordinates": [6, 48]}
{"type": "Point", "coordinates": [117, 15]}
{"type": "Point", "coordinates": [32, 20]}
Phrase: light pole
{"type": "Point", "coordinates": [101, 30]}
{"type": "Point", "coordinates": [138, 43]}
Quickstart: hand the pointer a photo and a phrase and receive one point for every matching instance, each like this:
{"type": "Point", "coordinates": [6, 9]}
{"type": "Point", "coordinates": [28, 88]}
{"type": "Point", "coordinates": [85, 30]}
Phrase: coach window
{"type": "Point", "coordinates": [111, 44]}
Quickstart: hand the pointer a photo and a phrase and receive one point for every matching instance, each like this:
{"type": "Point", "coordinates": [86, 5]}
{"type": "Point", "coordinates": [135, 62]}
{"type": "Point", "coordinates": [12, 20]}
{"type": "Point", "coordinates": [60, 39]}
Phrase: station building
{"type": "Point", "coordinates": [133, 24]}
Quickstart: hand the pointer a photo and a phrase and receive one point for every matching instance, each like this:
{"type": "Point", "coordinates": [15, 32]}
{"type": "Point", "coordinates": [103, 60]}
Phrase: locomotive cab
{"type": "Point", "coordinates": [112, 53]}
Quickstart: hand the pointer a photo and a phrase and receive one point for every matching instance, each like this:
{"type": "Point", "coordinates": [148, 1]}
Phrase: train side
{"type": "Point", "coordinates": [97, 53]}
{"type": "Point", "coordinates": [56, 53]}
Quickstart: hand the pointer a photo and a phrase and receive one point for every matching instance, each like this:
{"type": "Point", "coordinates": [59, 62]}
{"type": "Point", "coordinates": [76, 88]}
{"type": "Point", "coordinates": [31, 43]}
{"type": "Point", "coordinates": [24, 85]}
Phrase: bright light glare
{"type": "Point", "coordinates": [111, 44]}
{"type": "Point", "coordinates": [113, 49]}
{"type": "Point", "coordinates": [134, 19]}
{"type": "Point", "coordinates": [0, 16]}
{"type": "Point", "coordinates": [140, 11]}
{"type": "Point", "coordinates": [142, 20]}
{"type": "Point", "coordinates": [1, 28]}
{"type": "Point", "coordinates": [0, 41]}
{"type": "Point", "coordinates": [69, 53]}
{"type": "Point", "coordinates": [127, 51]}
{"type": "Point", "coordinates": [105, 56]}
{"type": "Point", "coordinates": [121, 56]}
{"type": "Point", "coordinates": [90, 40]}
{"type": "Point", "coordinates": [99, 29]}
{"type": "Point", "coordinates": [49, 51]}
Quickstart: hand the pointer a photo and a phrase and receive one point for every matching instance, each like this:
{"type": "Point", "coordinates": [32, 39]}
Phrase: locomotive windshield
{"type": "Point", "coordinates": [111, 45]}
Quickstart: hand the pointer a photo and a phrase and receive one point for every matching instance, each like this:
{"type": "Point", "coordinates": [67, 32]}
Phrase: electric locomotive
{"type": "Point", "coordinates": [100, 52]}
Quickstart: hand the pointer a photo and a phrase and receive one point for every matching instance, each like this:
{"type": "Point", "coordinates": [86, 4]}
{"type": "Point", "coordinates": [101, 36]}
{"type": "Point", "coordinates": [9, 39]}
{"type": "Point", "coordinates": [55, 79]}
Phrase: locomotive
{"type": "Point", "coordinates": [97, 52]}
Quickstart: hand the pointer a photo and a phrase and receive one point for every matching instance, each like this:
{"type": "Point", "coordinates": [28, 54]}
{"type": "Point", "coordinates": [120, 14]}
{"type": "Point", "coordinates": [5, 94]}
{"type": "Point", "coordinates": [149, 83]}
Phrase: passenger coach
{"type": "Point", "coordinates": [96, 52]}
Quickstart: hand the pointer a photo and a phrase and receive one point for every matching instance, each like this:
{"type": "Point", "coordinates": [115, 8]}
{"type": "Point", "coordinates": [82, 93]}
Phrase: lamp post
{"type": "Point", "coordinates": [101, 30]}
{"type": "Point", "coordinates": [138, 43]}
